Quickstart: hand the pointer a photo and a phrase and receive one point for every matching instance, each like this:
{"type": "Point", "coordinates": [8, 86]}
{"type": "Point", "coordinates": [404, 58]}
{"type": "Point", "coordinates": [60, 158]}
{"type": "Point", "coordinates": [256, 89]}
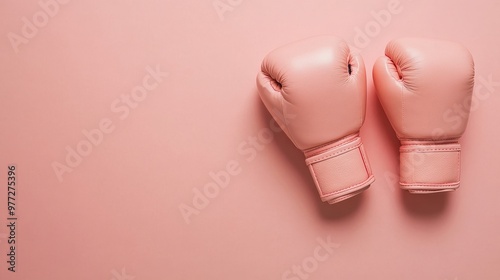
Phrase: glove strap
{"type": "Point", "coordinates": [340, 170]}
{"type": "Point", "coordinates": [429, 167]}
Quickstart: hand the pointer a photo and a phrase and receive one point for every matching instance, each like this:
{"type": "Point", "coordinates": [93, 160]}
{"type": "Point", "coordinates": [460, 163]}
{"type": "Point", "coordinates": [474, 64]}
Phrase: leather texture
{"type": "Point", "coordinates": [420, 83]}
{"type": "Point", "coordinates": [316, 90]}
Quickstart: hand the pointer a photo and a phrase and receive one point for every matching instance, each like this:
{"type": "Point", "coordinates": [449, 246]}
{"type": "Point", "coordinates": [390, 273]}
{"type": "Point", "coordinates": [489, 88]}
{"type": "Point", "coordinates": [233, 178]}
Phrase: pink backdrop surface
{"type": "Point", "coordinates": [111, 209]}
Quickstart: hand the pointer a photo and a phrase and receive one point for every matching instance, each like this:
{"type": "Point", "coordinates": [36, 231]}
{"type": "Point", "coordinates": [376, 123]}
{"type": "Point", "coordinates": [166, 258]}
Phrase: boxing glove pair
{"type": "Point", "coordinates": [316, 91]}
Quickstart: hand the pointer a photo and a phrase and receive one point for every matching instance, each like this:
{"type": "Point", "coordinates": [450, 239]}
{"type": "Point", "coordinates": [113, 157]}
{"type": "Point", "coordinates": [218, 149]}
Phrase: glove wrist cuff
{"type": "Point", "coordinates": [340, 169]}
{"type": "Point", "coordinates": [429, 167]}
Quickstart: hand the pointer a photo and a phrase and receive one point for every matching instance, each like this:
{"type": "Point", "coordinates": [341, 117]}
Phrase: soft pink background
{"type": "Point", "coordinates": [117, 214]}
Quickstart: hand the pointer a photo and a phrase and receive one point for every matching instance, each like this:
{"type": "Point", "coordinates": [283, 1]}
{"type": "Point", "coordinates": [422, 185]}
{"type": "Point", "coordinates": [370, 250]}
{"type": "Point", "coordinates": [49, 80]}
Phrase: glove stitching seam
{"type": "Point", "coordinates": [347, 188]}
{"type": "Point", "coordinates": [429, 139]}
{"type": "Point", "coordinates": [345, 150]}
{"type": "Point", "coordinates": [430, 185]}
{"type": "Point", "coordinates": [431, 150]}
{"type": "Point", "coordinates": [288, 128]}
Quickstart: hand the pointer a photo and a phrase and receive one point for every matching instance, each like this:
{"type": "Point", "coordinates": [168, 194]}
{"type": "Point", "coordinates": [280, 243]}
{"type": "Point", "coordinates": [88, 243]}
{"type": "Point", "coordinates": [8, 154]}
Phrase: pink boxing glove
{"type": "Point", "coordinates": [316, 91]}
{"type": "Point", "coordinates": [419, 83]}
